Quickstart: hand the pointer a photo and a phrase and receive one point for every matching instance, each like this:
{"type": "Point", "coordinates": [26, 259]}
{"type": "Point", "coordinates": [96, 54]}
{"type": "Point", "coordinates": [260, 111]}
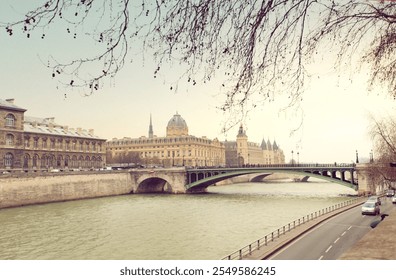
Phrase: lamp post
{"type": "Point", "coordinates": [298, 157]}
{"type": "Point", "coordinates": [357, 157]}
{"type": "Point", "coordinates": [292, 152]}
{"type": "Point", "coordinates": [371, 156]}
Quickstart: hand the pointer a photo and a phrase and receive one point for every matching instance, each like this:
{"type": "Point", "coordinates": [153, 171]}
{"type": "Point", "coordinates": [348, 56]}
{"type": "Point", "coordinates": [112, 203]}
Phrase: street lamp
{"type": "Point", "coordinates": [292, 152]}
{"type": "Point", "coordinates": [298, 157]}
{"type": "Point", "coordinates": [357, 157]}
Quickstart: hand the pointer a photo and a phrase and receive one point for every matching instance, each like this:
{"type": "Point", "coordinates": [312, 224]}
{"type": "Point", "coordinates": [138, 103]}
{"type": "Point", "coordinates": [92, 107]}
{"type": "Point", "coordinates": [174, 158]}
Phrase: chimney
{"type": "Point", "coordinates": [91, 131]}
{"type": "Point", "coordinates": [10, 100]}
{"type": "Point", "coordinates": [79, 130]}
{"type": "Point", "coordinates": [66, 128]}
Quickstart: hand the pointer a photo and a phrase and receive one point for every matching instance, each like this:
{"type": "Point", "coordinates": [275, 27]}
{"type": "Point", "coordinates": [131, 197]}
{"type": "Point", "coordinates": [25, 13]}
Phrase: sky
{"type": "Point", "coordinates": [334, 112]}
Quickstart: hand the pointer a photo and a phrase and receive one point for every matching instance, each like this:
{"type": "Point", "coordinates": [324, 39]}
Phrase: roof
{"type": "Point", "coordinates": [8, 104]}
{"type": "Point", "coordinates": [48, 126]}
{"type": "Point", "coordinates": [177, 121]}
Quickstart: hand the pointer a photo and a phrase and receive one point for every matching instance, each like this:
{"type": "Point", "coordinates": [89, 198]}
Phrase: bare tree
{"type": "Point", "coordinates": [261, 48]}
{"type": "Point", "coordinates": [383, 133]}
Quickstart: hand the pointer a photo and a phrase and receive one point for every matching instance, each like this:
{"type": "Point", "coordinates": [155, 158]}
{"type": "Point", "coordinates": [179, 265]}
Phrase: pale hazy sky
{"type": "Point", "coordinates": [335, 109]}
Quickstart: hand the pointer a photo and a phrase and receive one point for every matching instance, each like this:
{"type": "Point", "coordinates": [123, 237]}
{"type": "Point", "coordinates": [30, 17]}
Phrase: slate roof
{"type": "Point", "coordinates": [48, 126]}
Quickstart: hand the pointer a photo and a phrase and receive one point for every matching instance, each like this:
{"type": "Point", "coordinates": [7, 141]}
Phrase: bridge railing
{"type": "Point", "coordinates": [264, 241]}
{"type": "Point", "coordinates": [285, 165]}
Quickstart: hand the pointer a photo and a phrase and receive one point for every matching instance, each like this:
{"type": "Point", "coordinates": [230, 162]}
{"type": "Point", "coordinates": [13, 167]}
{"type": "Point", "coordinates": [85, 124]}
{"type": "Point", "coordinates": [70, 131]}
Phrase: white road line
{"type": "Point", "coordinates": [343, 233]}
{"type": "Point", "coordinates": [336, 240]}
{"type": "Point", "coordinates": [349, 228]}
{"type": "Point", "coordinates": [321, 257]}
{"type": "Point", "coordinates": [328, 249]}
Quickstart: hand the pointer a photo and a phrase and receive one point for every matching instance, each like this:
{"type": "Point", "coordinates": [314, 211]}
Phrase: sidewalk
{"type": "Point", "coordinates": [378, 244]}
{"type": "Point", "coordinates": [265, 251]}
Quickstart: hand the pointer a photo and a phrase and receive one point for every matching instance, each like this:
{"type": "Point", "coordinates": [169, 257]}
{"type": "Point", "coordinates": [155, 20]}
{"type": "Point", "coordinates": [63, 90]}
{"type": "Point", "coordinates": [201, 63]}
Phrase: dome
{"type": "Point", "coordinates": [177, 126]}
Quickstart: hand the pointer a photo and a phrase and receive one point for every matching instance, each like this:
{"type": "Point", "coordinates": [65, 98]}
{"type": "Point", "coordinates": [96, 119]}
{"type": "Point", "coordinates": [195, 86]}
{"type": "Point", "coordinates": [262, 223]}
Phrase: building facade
{"type": "Point", "coordinates": [242, 152]}
{"type": "Point", "coordinates": [39, 144]}
{"type": "Point", "coordinates": [177, 148]}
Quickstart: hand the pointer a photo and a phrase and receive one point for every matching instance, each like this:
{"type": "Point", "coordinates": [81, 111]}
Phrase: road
{"type": "Point", "coordinates": [331, 239]}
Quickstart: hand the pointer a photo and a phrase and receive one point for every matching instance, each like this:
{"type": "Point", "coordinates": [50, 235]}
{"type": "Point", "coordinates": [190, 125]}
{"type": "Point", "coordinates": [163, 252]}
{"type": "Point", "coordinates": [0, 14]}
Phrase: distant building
{"type": "Point", "coordinates": [34, 144]}
{"type": "Point", "coordinates": [177, 148]}
{"type": "Point", "coordinates": [242, 152]}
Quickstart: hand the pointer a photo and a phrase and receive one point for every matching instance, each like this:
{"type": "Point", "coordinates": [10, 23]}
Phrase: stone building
{"type": "Point", "coordinates": [242, 152]}
{"type": "Point", "coordinates": [34, 144]}
{"type": "Point", "coordinates": [177, 148]}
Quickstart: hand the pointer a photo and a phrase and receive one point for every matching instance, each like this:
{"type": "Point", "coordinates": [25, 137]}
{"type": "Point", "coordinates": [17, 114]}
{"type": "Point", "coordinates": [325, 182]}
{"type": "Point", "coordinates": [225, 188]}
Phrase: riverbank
{"type": "Point", "coordinates": [28, 189]}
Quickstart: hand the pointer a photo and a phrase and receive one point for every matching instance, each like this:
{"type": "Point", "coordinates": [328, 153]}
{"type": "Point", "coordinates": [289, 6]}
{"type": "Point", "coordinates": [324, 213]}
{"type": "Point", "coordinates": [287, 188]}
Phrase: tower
{"type": "Point", "coordinates": [151, 133]}
{"type": "Point", "coordinates": [242, 147]}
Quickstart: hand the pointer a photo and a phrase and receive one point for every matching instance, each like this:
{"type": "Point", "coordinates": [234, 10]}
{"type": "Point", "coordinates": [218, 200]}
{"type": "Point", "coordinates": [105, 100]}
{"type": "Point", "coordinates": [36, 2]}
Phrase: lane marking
{"type": "Point", "coordinates": [328, 249]}
{"type": "Point", "coordinates": [321, 257]}
{"type": "Point", "coordinates": [343, 233]}
{"type": "Point", "coordinates": [336, 240]}
{"type": "Point", "coordinates": [349, 228]}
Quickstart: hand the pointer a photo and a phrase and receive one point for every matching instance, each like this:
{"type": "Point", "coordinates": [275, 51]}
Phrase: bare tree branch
{"type": "Point", "coordinates": [262, 48]}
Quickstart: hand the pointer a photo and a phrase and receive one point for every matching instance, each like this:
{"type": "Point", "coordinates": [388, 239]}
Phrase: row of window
{"type": "Point", "coordinates": [67, 145]}
{"type": "Point", "coordinates": [48, 161]}
{"type": "Point", "coordinates": [160, 141]}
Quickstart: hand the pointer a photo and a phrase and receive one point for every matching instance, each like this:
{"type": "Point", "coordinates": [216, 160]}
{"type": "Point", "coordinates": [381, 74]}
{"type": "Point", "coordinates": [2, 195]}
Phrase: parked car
{"type": "Point", "coordinates": [394, 199]}
{"type": "Point", "coordinates": [370, 208]}
{"type": "Point", "coordinates": [374, 198]}
{"type": "Point", "coordinates": [390, 193]}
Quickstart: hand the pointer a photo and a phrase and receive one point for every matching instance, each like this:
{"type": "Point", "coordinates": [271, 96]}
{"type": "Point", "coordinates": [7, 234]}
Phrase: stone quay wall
{"type": "Point", "coordinates": [35, 189]}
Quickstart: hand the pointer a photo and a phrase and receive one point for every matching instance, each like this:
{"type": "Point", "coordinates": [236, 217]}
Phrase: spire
{"type": "Point", "coordinates": [269, 146]}
{"type": "Point", "coordinates": [241, 132]}
{"type": "Point", "coordinates": [263, 145]}
{"type": "Point", "coordinates": [151, 133]}
{"type": "Point", "coordinates": [275, 146]}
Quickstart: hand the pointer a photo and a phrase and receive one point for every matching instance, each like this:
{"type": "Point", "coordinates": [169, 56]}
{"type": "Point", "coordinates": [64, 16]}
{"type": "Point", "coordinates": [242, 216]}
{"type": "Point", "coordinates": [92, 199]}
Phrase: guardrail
{"type": "Point", "coordinates": [238, 255]}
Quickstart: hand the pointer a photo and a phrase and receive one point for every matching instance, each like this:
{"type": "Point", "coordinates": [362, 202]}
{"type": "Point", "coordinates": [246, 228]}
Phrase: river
{"type": "Point", "coordinates": [161, 226]}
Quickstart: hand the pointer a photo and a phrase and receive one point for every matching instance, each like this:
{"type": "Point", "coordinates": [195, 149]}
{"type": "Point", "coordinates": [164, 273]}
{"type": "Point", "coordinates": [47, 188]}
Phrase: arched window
{"type": "Point", "coordinates": [26, 160]}
{"type": "Point", "coordinates": [10, 120]}
{"type": "Point", "coordinates": [9, 139]}
{"type": "Point", "coordinates": [35, 160]}
{"type": "Point", "coordinates": [8, 160]}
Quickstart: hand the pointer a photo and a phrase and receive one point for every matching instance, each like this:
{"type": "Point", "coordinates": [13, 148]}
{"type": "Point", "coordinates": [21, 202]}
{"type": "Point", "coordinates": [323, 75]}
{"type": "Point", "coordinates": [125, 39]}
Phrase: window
{"type": "Point", "coordinates": [44, 143]}
{"type": "Point", "coordinates": [9, 139]}
{"type": "Point", "coordinates": [10, 120]}
{"type": "Point", "coordinates": [35, 143]}
{"type": "Point", "coordinates": [35, 160]}
{"type": "Point", "coordinates": [26, 142]}
{"type": "Point", "coordinates": [8, 160]}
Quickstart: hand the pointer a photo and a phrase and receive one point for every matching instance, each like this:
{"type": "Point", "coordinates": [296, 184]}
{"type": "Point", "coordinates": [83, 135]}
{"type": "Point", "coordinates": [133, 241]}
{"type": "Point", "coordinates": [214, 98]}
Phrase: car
{"type": "Point", "coordinates": [374, 198]}
{"type": "Point", "coordinates": [390, 193]}
{"type": "Point", "coordinates": [370, 208]}
{"type": "Point", "coordinates": [394, 199]}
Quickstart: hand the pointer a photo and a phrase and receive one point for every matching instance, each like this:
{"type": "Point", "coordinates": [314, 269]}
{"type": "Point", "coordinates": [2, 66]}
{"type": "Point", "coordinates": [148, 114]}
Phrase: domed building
{"type": "Point", "coordinates": [177, 126]}
{"type": "Point", "coordinates": [177, 148]}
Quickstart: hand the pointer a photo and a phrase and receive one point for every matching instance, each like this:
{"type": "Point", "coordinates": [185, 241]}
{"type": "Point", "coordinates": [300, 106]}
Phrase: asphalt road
{"type": "Point", "coordinates": [331, 239]}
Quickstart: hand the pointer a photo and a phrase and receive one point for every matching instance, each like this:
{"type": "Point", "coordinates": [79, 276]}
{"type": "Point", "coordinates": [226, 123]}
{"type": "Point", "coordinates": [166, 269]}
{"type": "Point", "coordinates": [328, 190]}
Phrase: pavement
{"type": "Point", "coordinates": [377, 244]}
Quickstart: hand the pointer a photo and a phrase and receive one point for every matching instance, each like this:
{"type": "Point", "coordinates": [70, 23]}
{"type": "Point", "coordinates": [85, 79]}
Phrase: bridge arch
{"type": "Point", "coordinates": [154, 185]}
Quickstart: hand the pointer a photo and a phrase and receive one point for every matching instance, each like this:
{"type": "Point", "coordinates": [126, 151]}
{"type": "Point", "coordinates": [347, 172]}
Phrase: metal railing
{"type": "Point", "coordinates": [264, 241]}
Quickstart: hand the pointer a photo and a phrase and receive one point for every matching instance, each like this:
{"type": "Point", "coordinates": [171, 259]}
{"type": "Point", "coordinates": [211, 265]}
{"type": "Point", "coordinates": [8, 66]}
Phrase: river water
{"type": "Point", "coordinates": [161, 226]}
